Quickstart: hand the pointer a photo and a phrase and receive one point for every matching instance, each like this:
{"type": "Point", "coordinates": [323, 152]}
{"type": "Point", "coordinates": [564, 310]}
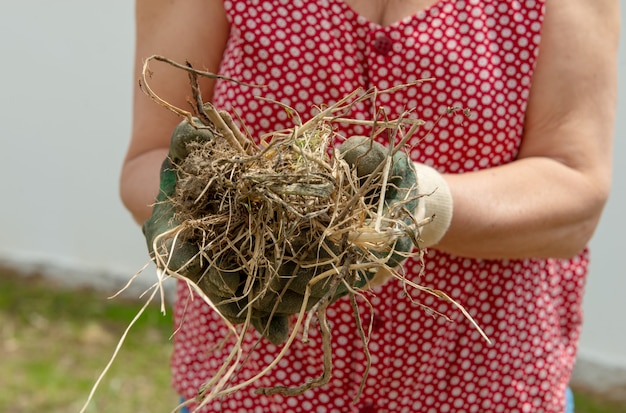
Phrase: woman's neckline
{"type": "Point", "coordinates": [399, 22]}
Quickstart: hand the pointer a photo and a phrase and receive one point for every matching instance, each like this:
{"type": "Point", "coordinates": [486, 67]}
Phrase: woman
{"type": "Point", "coordinates": [528, 173]}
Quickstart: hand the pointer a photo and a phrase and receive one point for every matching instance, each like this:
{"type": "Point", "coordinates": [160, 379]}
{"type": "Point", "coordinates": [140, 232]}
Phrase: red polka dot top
{"type": "Point", "coordinates": [480, 55]}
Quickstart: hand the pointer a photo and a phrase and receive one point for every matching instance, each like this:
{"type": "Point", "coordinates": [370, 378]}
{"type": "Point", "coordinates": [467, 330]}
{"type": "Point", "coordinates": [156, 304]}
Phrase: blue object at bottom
{"type": "Point", "coordinates": [569, 401]}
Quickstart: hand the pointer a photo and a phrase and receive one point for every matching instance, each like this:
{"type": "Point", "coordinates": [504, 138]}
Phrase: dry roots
{"type": "Point", "coordinates": [251, 202]}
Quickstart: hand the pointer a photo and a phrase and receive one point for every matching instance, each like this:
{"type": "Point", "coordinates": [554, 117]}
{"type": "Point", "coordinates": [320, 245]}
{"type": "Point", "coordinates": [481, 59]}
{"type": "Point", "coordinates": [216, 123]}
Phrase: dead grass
{"type": "Point", "coordinates": [245, 208]}
{"type": "Point", "coordinates": [55, 343]}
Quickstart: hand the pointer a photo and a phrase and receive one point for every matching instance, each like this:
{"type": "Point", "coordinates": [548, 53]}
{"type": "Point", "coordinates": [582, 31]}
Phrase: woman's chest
{"type": "Point", "coordinates": [306, 55]}
{"type": "Point", "coordinates": [388, 12]}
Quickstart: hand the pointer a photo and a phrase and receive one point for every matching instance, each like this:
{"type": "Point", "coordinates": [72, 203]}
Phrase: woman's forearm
{"type": "Point", "coordinates": [139, 183]}
{"type": "Point", "coordinates": [533, 207]}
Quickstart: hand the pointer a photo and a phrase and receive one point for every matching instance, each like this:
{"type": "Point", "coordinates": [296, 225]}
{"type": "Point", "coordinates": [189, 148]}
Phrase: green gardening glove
{"type": "Point", "coordinates": [289, 281]}
{"type": "Point", "coordinates": [184, 257]}
{"type": "Point", "coordinates": [222, 284]}
{"type": "Point", "coordinates": [421, 190]}
{"type": "Point", "coordinates": [366, 155]}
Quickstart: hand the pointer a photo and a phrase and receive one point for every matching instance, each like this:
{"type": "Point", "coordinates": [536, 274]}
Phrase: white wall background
{"type": "Point", "coordinates": [65, 87]}
{"type": "Point", "coordinates": [604, 334]}
{"type": "Point", "coordinates": [65, 99]}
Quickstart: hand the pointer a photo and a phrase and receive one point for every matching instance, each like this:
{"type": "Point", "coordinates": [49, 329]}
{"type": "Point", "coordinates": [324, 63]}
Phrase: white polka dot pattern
{"type": "Point", "coordinates": [480, 55]}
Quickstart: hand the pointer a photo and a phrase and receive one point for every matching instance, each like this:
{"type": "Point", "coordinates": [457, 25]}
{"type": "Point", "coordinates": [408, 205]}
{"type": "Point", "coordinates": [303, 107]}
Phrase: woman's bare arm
{"type": "Point", "coordinates": [548, 202]}
{"type": "Point", "coordinates": [189, 30]}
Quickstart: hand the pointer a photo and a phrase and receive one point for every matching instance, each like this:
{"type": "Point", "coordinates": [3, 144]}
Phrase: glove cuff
{"type": "Point", "coordinates": [436, 202]}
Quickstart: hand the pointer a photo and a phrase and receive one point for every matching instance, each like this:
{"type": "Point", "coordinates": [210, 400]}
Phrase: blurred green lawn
{"type": "Point", "coordinates": [54, 344]}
